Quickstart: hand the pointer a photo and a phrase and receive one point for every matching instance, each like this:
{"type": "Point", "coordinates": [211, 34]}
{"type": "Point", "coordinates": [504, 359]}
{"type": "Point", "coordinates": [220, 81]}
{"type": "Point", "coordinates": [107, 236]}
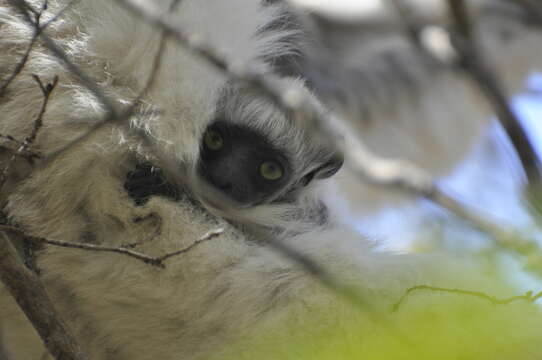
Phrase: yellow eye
{"type": "Point", "coordinates": [213, 140]}
{"type": "Point", "coordinates": [271, 170]}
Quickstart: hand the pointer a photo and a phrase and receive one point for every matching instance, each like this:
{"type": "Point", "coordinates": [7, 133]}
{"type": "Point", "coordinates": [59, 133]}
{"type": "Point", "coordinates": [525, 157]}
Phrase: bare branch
{"type": "Point", "coordinates": [472, 61]}
{"type": "Point", "coordinates": [111, 112]}
{"type": "Point", "coordinates": [19, 67]}
{"type": "Point", "coordinates": [112, 115]}
{"type": "Point", "coordinates": [60, 13]}
{"type": "Point", "coordinates": [38, 28]}
{"type": "Point", "coordinates": [38, 123]}
{"type": "Point", "coordinates": [11, 139]}
{"type": "Point", "coordinates": [209, 236]}
{"type": "Point", "coordinates": [155, 261]}
{"type": "Point", "coordinates": [86, 81]}
{"type": "Point", "coordinates": [528, 296]}
{"type": "Point", "coordinates": [119, 250]}
{"type": "Point", "coordinates": [29, 293]}
{"type": "Point", "coordinates": [27, 154]}
{"type": "Point", "coordinates": [509, 240]}
{"type": "Point", "coordinates": [21, 64]}
{"type": "Point", "coordinates": [121, 118]}
{"type": "Point", "coordinates": [461, 17]}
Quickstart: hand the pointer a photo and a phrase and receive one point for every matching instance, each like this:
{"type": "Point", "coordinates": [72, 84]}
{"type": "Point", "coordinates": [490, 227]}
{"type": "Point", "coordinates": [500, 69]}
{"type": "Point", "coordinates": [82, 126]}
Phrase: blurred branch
{"type": "Point", "coordinates": [393, 174]}
{"type": "Point", "coordinates": [533, 8]}
{"type": "Point", "coordinates": [471, 63]}
{"type": "Point", "coordinates": [25, 286]}
{"type": "Point", "coordinates": [28, 291]}
{"type": "Point", "coordinates": [313, 268]}
{"type": "Point", "coordinates": [412, 25]}
{"type": "Point", "coordinates": [287, 98]}
{"type": "Point", "coordinates": [474, 65]}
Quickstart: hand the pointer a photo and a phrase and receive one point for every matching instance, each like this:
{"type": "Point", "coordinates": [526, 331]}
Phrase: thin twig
{"type": "Point", "coordinates": [11, 139]}
{"type": "Point", "coordinates": [209, 236]}
{"type": "Point", "coordinates": [528, 296]}
{"type": "Point", "coordinates": [86, 81]}
{"type": "Point", "coordinates": [155, 261]}
{"type": "Point", "coordinates": [60, 13]}
{"type": "Point", "coordinates": [28, 155]}
{"type": "Point", "coordinates": [347, 292]}
{"type": "Point", "coordinates": [28, 291]}
{"type": "Point", "coordinates": [119, 250]}
{"type": "Point", "coordinates": [112, 115]}
{"type": "Point", "coordinates": [122, 117]}
{"type": "Point", "coordinates": [47, 90]}
{"type": "Point", "coordinates": [19, 67]}
{"type": "Point", "coordinates": [21, 64]}
{"type": "Point", "coordinates": [38, 29]}
{"type": "Point", "coordinates": [38, 123]}
{"type": "Point", "coordinates": [51, 45]}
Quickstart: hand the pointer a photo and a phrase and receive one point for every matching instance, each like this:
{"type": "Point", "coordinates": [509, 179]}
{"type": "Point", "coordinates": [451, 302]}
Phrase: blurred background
{"type": "Point", "coordinates": [489, 180]}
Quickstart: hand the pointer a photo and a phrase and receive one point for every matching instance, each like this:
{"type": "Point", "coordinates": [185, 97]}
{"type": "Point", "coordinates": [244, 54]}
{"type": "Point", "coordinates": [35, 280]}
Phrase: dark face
{"type": "Point", "coordinates": [241, 163]}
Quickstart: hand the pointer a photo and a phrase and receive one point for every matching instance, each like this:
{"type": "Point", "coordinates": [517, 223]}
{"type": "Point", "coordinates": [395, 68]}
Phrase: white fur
{"type": "Point", "coordinates": [222, 290]}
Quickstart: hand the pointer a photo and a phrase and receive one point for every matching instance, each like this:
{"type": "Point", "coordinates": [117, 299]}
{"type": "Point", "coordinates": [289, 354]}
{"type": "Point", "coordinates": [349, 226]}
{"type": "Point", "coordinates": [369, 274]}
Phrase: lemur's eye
{"type": "Point", "coordinates": [213, 140]}
{"type": "Point", "coordinates": [271, 170]}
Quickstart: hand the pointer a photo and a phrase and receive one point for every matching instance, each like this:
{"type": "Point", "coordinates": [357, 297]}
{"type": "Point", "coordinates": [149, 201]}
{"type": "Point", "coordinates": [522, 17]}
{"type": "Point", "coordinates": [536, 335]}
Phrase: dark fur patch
{"type": "Point", "coordinates": [147, 180]}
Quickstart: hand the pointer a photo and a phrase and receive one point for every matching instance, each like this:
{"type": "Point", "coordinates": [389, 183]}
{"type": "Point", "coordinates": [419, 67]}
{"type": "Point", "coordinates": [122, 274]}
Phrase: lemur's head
{"type": "Point", "coordinates": [226, 142]}
{"type": "Point", "coordinates": [254, 153]}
